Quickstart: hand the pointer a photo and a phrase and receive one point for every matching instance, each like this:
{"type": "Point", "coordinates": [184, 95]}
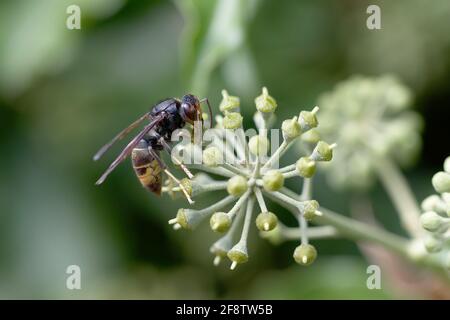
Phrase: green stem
{"type": "Point", "coordinates": [248, 219]}
{"type": "Point", "coordinates": [401, 195]}
{"type": "Point", "coordinates": [351, 228]}
{"type": "Point", "coordinates": [235, 170]}
{"type": "Point", "coordinates": [276, 154]}
{"type": "Point", "coordinates": [217, 170]}
{"type": "Point", "coordinates": [322, 232]}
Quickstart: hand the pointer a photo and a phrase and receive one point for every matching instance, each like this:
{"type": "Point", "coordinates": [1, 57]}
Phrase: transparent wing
{"type": "Point", "coordinates": [126, 152]}
{"type": "Point", "coordinates": [119, 136]}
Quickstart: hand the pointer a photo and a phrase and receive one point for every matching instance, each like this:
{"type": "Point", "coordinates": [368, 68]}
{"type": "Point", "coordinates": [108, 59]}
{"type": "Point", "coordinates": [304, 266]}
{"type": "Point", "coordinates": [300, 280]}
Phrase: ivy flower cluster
{"type": "Point", "coordinates": [250, 176]}
{"type": "Point", "coordinates": [436, 216]}
{"type": "Point", "coordinates": [371, 120]}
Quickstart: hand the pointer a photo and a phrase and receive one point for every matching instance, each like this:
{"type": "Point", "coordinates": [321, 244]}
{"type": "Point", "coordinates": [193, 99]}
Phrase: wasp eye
{"type": "Point", "coordinates": [190, 107]}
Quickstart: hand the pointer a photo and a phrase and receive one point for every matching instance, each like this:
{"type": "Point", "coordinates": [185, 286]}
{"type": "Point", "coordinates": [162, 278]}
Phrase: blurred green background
{"type": "Point", "coordinates": [63, 93]}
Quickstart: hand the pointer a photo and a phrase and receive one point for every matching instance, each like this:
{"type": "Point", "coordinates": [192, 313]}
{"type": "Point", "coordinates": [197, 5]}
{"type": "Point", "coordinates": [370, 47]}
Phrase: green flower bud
{"type": "Point", "coordinates": [187, 184]}
{"type": "Point", "coordinates": [416, 250]}
{"type": "Point", "coordinates": [311, 136]}
{"type": "Point", "coordinates": [258, 145]}
{"type": "Point", "coordinates": [264, 102]}
{"type": "Point", "coordinates": [291, 128]}
{"type": "Point", "coordinates": [323, 151]}
{"type": "Point", "coordinates": [309, 209]}
{"type": "Point", "coordinates": [220, 222]}
{"type": "Point", "coordinates": [232, 120]}
{"type": "Point", "coordinates": [212, 157]}
{"type": "Point", "coordinates": [305, 254]}
{"type": "Point", "coordinates": [447, 165]}
{"type": "Point", "coordinates": [434, 203]}
{"type": "Point", "coordinates": [228, 102]}
{"type": "Point", "coordinates": [441, 182]}
{"type": "Point", "coordinates": [237, 185]}
{"type": "Point", "coordinates": [432, 244]}
{"type": "Point", "coordinates": [188, 218]}
{"type": "Point", "coordinates": [220, 248]}
{"type": "Point", "coordinates": [238, 254]}
{"type": "Point", "coordinates": [431, 221]}
{"type": "Point", "coordinates": [273, 180]}
{"type": "Point", "coordinates": [308, 119]}
{"type": "Point", "coordinates": [266, 221]}
{"type": "Point", "coordinates": [306, 167]}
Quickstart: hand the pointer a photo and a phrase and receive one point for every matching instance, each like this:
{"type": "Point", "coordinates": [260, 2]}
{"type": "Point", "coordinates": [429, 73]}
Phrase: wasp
{"type": "Point", "coordinates": [164, 118]}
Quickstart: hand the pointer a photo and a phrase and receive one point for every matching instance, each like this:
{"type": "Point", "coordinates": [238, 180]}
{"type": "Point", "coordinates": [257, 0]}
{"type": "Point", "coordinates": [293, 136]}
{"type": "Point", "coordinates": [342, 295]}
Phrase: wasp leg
{"type": "Point", "coordinates": [168, 148]}
{"type": "Point", "coordinates": [164, 167]}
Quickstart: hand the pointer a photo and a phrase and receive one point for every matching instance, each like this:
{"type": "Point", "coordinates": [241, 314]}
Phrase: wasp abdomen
{"type": "Point", "coordinates": [147, 170]}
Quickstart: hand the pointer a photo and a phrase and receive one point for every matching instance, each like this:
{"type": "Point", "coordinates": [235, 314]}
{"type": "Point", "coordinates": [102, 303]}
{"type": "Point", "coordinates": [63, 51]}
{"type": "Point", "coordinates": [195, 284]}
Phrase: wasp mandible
{"type": "Point", "coordinates": [165, 117]}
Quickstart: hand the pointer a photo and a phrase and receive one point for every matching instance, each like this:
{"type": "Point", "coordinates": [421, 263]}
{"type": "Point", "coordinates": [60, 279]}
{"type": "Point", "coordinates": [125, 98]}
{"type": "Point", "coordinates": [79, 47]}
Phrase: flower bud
{"type": "Point", "coordinates": [232, 120]}
{"type": "Point", "coordinates": [264, 102]}
{"type": "Point", "coordinates": [431, 221]}
{"type": "Point", "coordinates": [305, 254]}
{"type": "Point", "coordinates": [416, 250]}
{"type": "Point", "coordinates": [188, 218]}
{"type": "Point", "coordinates": [441, 182]}
{"type": "Point", "coordinates": [220, 248]}
{"type": "Point", "coordinates": [228, 102]}
{"type": "Point", "coordinates": [309, 209]}
{"type": "Point", "coordinates": [447, 165]}
{"type": "Point", "coordinates": [220, 222]}
{"type": "Point", "coordinates": [432, 244]}
{"type": "Point", "coordinates": [434, 203]}
{"type": "Point", "coordinates": [308, 119]}
{"type": "Point", "coordinates": [212, 157]}
{"type": "Point", "coordinates": [273, 180]}
{"type": "Point", "coordinates": [266, 221]}
{"type": "Point", "coordinates": [311, 136]}
{"type": "Point", "coordinates": [258, 145]}
{"type": "Point", "coordinates": [323, 151]}
{"type": "Point", "coordinates": [306, 167]}
{"type": "Point", "coordinates": [188, 185]}
{"type": "Point", "coordinates": [291, 128]}
{"type": "Point", "coordinates": [237, 185]}
{"type": "Point", "coordinates": [238, 254]}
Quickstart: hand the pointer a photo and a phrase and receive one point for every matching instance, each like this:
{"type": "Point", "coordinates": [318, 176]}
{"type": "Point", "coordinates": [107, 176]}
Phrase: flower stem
{"type": "Point", "coordinates": [260, 198]}
{"type": "Point", "coordinates": [312, 232]}
{"type": "Point", "coordinates": [218, 170]}
{"type": "Point", "coordinates": [238, 204]}
{"type": "Point", "coordinates": [248, 219]}
{"type": "Point", "coordinates": [276, 155]}
{"type": "Point", "coordinates": [401, 195]}
{"type": "Point", "coordinates": [351, 228]}
{"type": "Point", "coordinates": [233, 169]}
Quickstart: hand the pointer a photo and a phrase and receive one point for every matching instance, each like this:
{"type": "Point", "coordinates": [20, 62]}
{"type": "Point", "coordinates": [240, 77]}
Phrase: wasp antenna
{"type": "Point", "coordinates": [210, 111]}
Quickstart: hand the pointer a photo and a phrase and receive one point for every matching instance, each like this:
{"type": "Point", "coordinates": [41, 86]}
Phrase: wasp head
{"type": "Point", "coordinates": [190, 109]}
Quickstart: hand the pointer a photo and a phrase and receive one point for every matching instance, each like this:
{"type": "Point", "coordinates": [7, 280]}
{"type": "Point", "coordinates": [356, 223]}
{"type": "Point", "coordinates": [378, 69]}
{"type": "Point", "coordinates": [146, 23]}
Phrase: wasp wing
{"type": "Point", "coordinates": [126, 152]}
{"type": "Point", "coordinates": [119, 136]}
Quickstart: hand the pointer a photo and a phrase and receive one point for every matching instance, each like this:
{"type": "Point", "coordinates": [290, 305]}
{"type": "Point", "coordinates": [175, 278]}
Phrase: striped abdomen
{"type": "Point", "coordinates": [147, 170]}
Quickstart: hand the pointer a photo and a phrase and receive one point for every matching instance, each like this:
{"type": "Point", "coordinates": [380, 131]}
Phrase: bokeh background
{"type": "Point", "coordinates": [63, 93]}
